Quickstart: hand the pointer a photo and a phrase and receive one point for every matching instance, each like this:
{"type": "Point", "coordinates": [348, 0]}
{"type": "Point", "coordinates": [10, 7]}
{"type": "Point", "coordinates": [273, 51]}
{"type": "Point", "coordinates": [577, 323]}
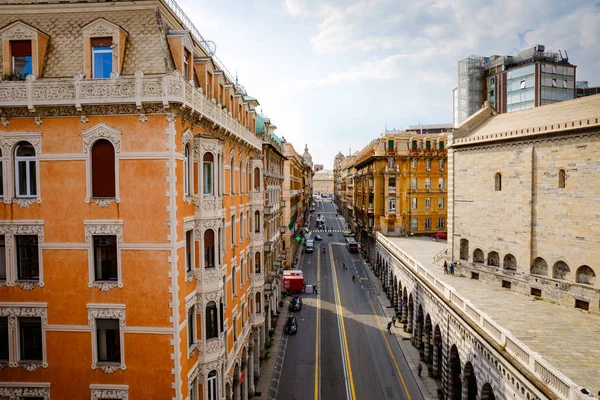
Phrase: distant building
{"type": "Point", "coordinates": [318, 167]}
{"type": "Point", "coordinates": [323, 183]}
{"type": "Point", "coordinates": [535, 77]}
{"type": "Point", "coordinates": [429, 129]}
{"type": "Point", "coordinates": [583, 89]}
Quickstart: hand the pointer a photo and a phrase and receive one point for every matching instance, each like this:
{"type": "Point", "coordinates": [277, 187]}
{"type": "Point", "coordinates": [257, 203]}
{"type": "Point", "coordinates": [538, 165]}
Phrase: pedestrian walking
{"type": "Point", "coordinates": [316, 289]}
{"type": "Point", "coordinates": [445, 267]}
{"type": "Point", "coordinates": [394, 320]}
{"type": "Point", "coordinates": [419, 369]}
{"type": "Point", "coordinates": [343, 265]}
{"type": "Point", "coordinates": [451, 268]}
{"type": "Point", "coordinates": [353, 278]}
{"type": "Point", "coordinates": [389, 327]}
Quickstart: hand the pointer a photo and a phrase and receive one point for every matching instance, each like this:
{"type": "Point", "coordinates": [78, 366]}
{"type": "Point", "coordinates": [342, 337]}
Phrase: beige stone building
{"type": "Point", "coordinates": [323, 183]}
{"type": "Point", "coordinates": [524, 209]}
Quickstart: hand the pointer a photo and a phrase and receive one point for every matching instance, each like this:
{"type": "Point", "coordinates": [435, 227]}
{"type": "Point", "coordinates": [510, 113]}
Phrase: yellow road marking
{"type": "Point", "coordinates": [353, 393]}
{"type": "Point", "coordinates": [387, 344]}
{"type": "Point", "coordinates": [317, 329]}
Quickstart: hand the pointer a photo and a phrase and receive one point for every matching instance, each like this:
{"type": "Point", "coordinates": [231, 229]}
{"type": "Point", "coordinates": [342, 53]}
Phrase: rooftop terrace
{"type": "Point", "coordinates": [565, 337]}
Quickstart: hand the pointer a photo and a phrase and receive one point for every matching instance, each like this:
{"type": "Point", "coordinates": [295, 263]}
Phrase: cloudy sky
{"type": "Point", "coordinates": [334, 73]}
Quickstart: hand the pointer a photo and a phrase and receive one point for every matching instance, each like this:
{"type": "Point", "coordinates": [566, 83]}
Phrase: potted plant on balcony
{"type": "Point", "coordinates": [13, 76]}
{"type": "Point", "coordinates": [271, 332]}
{"type": "Point", "coordinates": [267, 355]}
{"type": "Point", "coordinates": [267, 344]}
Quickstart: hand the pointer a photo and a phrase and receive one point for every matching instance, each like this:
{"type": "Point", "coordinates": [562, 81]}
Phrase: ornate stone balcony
{"type": "Point", "coordinates": [208, 206]}
{"type": "Point", "coordinates": [257, 199]}
{"type": "Point", "coordinates": [211, 349]}
{"type": "Point", "coordinates": [209, 279]}
{"type": "Point", "coordinates": [138, 90]}
{"type": "Point", "coordinates": [258, 239]}
{"type": "Point", "coordinates": [257, 319]}
{"type": "Point", "coordinates": [258, 280]}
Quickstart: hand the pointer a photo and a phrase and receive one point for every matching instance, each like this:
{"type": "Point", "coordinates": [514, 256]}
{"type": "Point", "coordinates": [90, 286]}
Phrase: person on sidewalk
{"type": "Point", "coordinates": [344, 266]}
{"type": "Point", "coordinates": [389, 327]}
{"type": "Point", "coordinates": [353, 278]}
{"type": "Point", "coordinates": [419, 369]}
{"type": "Point", "coordinates": [394, 320]}
{"type": "Point", "coordinates": [445, 267]}
{"type": "Point", "coordinates": [451, 268]}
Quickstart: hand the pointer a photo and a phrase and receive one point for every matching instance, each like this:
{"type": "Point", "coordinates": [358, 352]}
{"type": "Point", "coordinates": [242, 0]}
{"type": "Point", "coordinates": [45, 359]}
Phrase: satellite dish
{"type": "Point", "coordinates": [211, 47]}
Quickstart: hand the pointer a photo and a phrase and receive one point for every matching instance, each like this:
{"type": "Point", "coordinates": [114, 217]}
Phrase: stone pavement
{"type": "Point", "coordinates": [427, 385]}
{"type": "Point", "coordinates": [566, 337]}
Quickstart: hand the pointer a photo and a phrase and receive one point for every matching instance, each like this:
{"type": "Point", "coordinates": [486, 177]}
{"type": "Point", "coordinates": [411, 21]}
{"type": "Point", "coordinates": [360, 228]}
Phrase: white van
{"type": "Point", "coordinates": [310, 246]}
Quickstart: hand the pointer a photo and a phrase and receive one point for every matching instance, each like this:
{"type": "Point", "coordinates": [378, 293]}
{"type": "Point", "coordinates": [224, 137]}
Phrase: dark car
{"type": "Point", "coordinates": [318, 237]}
{"type": "Point", "coordinates": [291, 326]}
{"type": "Point", "coordinates": [330, 233]}
{"type": "Point", "coordinates": [296, 304]}
{"type": "Point", "coordinates": [441, 235]}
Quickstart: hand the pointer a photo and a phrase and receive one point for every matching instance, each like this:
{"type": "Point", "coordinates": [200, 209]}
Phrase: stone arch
{"type": "Point", "coordinates": [469, 383]}
{"type": "Point", "coordinates": [585, 275]}
{"type": "Point", "coordinates": [404, 309]}
{"type": "Point", "coordinates": [236, 389]}
{"type": "Point", "coordinates": [561, 271]}
{"type": "Point", "coordinates": [395, 294]}
{"type": "Point", "coordinates": [478, 256]}
{"type": "Point", "coordinates": [409, 316]}
{"type": "Point", "coordinates": [454, 379]}
{"type": "Point", "coordinates": [509, 263]}
{"type": "Point", "coordinates": [487, 393]}
{"type": "Point", "coordinates": [493, 259]}
{"type": "Point", "coordinates": [464, 249]}
{"type": "Point", "coordinates": [539, 267]}
{"type": "Point", "coordinates": [498, 182]}
{"type": "Point", "coordinates": [228, 394]}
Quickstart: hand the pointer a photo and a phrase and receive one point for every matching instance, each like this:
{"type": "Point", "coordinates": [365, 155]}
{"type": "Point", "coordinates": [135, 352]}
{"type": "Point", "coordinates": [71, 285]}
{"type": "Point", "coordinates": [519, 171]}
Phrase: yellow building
{"type": "Point", "coordinates": [131, 229]}
{"type": "Point", "coordinates": [323, 183]}
{"type": "Point", "coordinates": [400, 186]}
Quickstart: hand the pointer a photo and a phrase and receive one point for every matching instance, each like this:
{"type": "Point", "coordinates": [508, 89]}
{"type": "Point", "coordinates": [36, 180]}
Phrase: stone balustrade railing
{"type": "Point", "coordinates": [560, 384]}
{"type": "Point", "coordinates": [138, 89]}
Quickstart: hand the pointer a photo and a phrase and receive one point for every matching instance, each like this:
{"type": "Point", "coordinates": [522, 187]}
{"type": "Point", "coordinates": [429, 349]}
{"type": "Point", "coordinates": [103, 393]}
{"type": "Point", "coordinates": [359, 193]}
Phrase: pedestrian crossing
{"type": "Point", "coordinates": [322, 231]}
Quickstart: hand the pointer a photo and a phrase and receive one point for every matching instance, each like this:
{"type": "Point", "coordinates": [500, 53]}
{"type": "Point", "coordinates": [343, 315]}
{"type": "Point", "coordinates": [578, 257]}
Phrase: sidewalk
{"type": "Point", "coordinates": [270, 369]}
{"type": "Point", "coordinates": [427, 385]}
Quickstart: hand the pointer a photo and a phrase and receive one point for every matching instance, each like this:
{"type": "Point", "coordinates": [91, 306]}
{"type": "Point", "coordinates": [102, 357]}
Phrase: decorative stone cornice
{"type": "Point", "coordinates": [101, 131]}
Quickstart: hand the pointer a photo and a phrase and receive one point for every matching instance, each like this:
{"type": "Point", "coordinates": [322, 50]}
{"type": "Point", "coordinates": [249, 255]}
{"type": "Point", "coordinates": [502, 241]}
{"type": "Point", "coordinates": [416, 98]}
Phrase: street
{"type": "Point", "coordinates": [342, 349]}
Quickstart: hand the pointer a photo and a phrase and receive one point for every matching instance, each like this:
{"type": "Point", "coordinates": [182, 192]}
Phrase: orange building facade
{"type": "Point", "coordinates": [131, 226]}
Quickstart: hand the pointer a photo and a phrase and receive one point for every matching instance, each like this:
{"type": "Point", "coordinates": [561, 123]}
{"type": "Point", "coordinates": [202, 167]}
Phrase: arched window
{"type": "Point", "coordinates": [212, 326]}
{"type": "Point", "coordinates": [493, 259]}
{"type": "Point", "coordinates": [585, 275]}
{"type": "Point", "coordinates": [561, 178]}
{"type": "Point", "coordinates": [187, 181]}
{"type": "Point", "coordinates": [207, 173]}
{"type": "Point", "coordinates": [561, 271]}
{"type": "Point", "coordinates": [498, 182]}
{"type": "Point", "coordinates": [509, 263]}
{"type": "Point", "coordinates": [428, 144]}
{"type": "Point", "coordinates": [257, 221]}
{"type": "Point", "coordinates": [414, 144]}
{"type": "Point", "coordinates": [25, 170]}
{"type": "Point", "coordinates": [212, 385]}
{"type": "Point", "coordinates": [258, 305]}
{"type": "Point", "coordinates": [478, 256]}
{"type": "Point", "coordinates": [464, 249]}
{"type": "Point", "coordinates": [248, 177]}
{"type": "Point", "coordinates": [256, 179]}
{"type": "Point", "coordinates": [441, 144]}
{"type": "Point", "coordinates": [209, 248]}
{"type": "Point", "coordinates": [103, 169]}
{"type": "Point", "coordinates": [257, 263]}
{"type": "Point", "coordinates": [231, 178]}
{"type": "Point", "coordinates": [539, 267]}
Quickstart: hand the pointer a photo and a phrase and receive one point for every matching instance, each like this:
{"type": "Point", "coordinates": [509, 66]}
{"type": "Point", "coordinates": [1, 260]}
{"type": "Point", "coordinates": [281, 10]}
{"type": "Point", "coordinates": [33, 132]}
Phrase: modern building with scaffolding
{"type": "Point", "coordinates": [532, 78]}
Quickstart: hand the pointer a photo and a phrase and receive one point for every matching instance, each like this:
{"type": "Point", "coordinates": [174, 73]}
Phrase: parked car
{"type": "Point", "coordinates": [441, 235]}
{"type": "Point", "coordinates": [347, 233]}
{"type": "Point", "coordinates": [318, 237]}
{"type": "Point", "coordinates": [291, 326]}
{"type": "Point", "coordinates": [296, 304]}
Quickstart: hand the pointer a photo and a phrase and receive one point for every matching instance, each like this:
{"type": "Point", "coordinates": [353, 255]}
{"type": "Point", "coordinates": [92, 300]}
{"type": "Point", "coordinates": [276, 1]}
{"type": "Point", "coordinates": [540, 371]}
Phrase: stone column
{"type": "Point", "coordinates": [257, 347]}
{"type": "Point", "coordinates": [396, 297]}
{"type": "Point", "coordinates": [262, 339]}
{"type": "Point", "coordinates": [245, 382]}
{"type": "Point", "coordinates": [409, 318]}
{"type": "Point", "coordinates": [418, 336]}
{"type": "Point", "coordinates": [251, 369]}
{"type": "Point", "coordinates": [237, 391]}
{"type": "Point", "coordinates": [465, 388]}
{"type": "Point", "coordinates": [404, 315]}
{"type": "Point", "coordinates": [436, 350]}
{"type": "Point", "coordinates": [426, 350]}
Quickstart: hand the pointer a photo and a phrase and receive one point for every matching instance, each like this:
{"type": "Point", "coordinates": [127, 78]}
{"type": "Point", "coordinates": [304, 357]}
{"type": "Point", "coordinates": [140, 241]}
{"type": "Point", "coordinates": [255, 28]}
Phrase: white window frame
{"type": "Point", "coordinates": [103, 228]}
{"type": "Point", "coordinates": [427, 223]}
{"type": "Point", "coordinates": [233, 231]}
{"type": "Point", "coordinates": [233, 281]}
{"type": "Point", "coordinates": [242, 227]}
{"type": "Point", "coordinates": [10, 231]}
{"type": "Point", "coordinates": [208, 190]}
{"type": "Point", "coordinates": [428, 164]}
{"type": "Point", "coordinates": [106, 311]}
{"type": "Point", "coordinates": [90, 136]}
{"type": "Point", "coordinates": [413, 183]}
{"type": "Point", "coordinates": [427, 202]}
{"type": "Point", "coordinates": [186, 170]}
{"type": "Point", "coordinates": [441, 184]}
{"type": "Point", "coordinates": [212, 382]}
{"type": "Point", "coordinates": [14, 311]}
{"type": "Point", "coordinates": [28, 160]}
{"type": "Point", "coordinates": [414, 203]}
{"type": "Point", "coordinates": [440, 202]}
{"type": "Point", "coordinates": [441, 223]}
{"type": "Point", "coordinates": [413, 163]}
{"type": "Point", "coordinates": [442, 165]}
{"type": "Point", "coordinates": [414, 224]}
{"type": "Point", "coordinates": [392, 204]}
{"type": "Point", "coordinates": [428, 184]}
{"type": "Point", "coordinates": [100, 51]}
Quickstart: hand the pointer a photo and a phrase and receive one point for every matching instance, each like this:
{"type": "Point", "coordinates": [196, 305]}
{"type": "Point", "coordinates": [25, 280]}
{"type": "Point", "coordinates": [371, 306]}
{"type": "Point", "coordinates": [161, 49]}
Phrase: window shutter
{"type": "Point", "coordinates": [20, 48]}
{"type": "Point", "coordinates": [103, 169]}
{"type": "Point", "coordinates": [101, 42]}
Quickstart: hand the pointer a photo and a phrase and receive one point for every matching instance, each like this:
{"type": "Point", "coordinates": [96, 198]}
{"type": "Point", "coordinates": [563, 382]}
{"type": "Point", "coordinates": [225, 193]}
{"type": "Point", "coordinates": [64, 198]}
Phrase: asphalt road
{"type": "Point", "coordinates": [342, 349]}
